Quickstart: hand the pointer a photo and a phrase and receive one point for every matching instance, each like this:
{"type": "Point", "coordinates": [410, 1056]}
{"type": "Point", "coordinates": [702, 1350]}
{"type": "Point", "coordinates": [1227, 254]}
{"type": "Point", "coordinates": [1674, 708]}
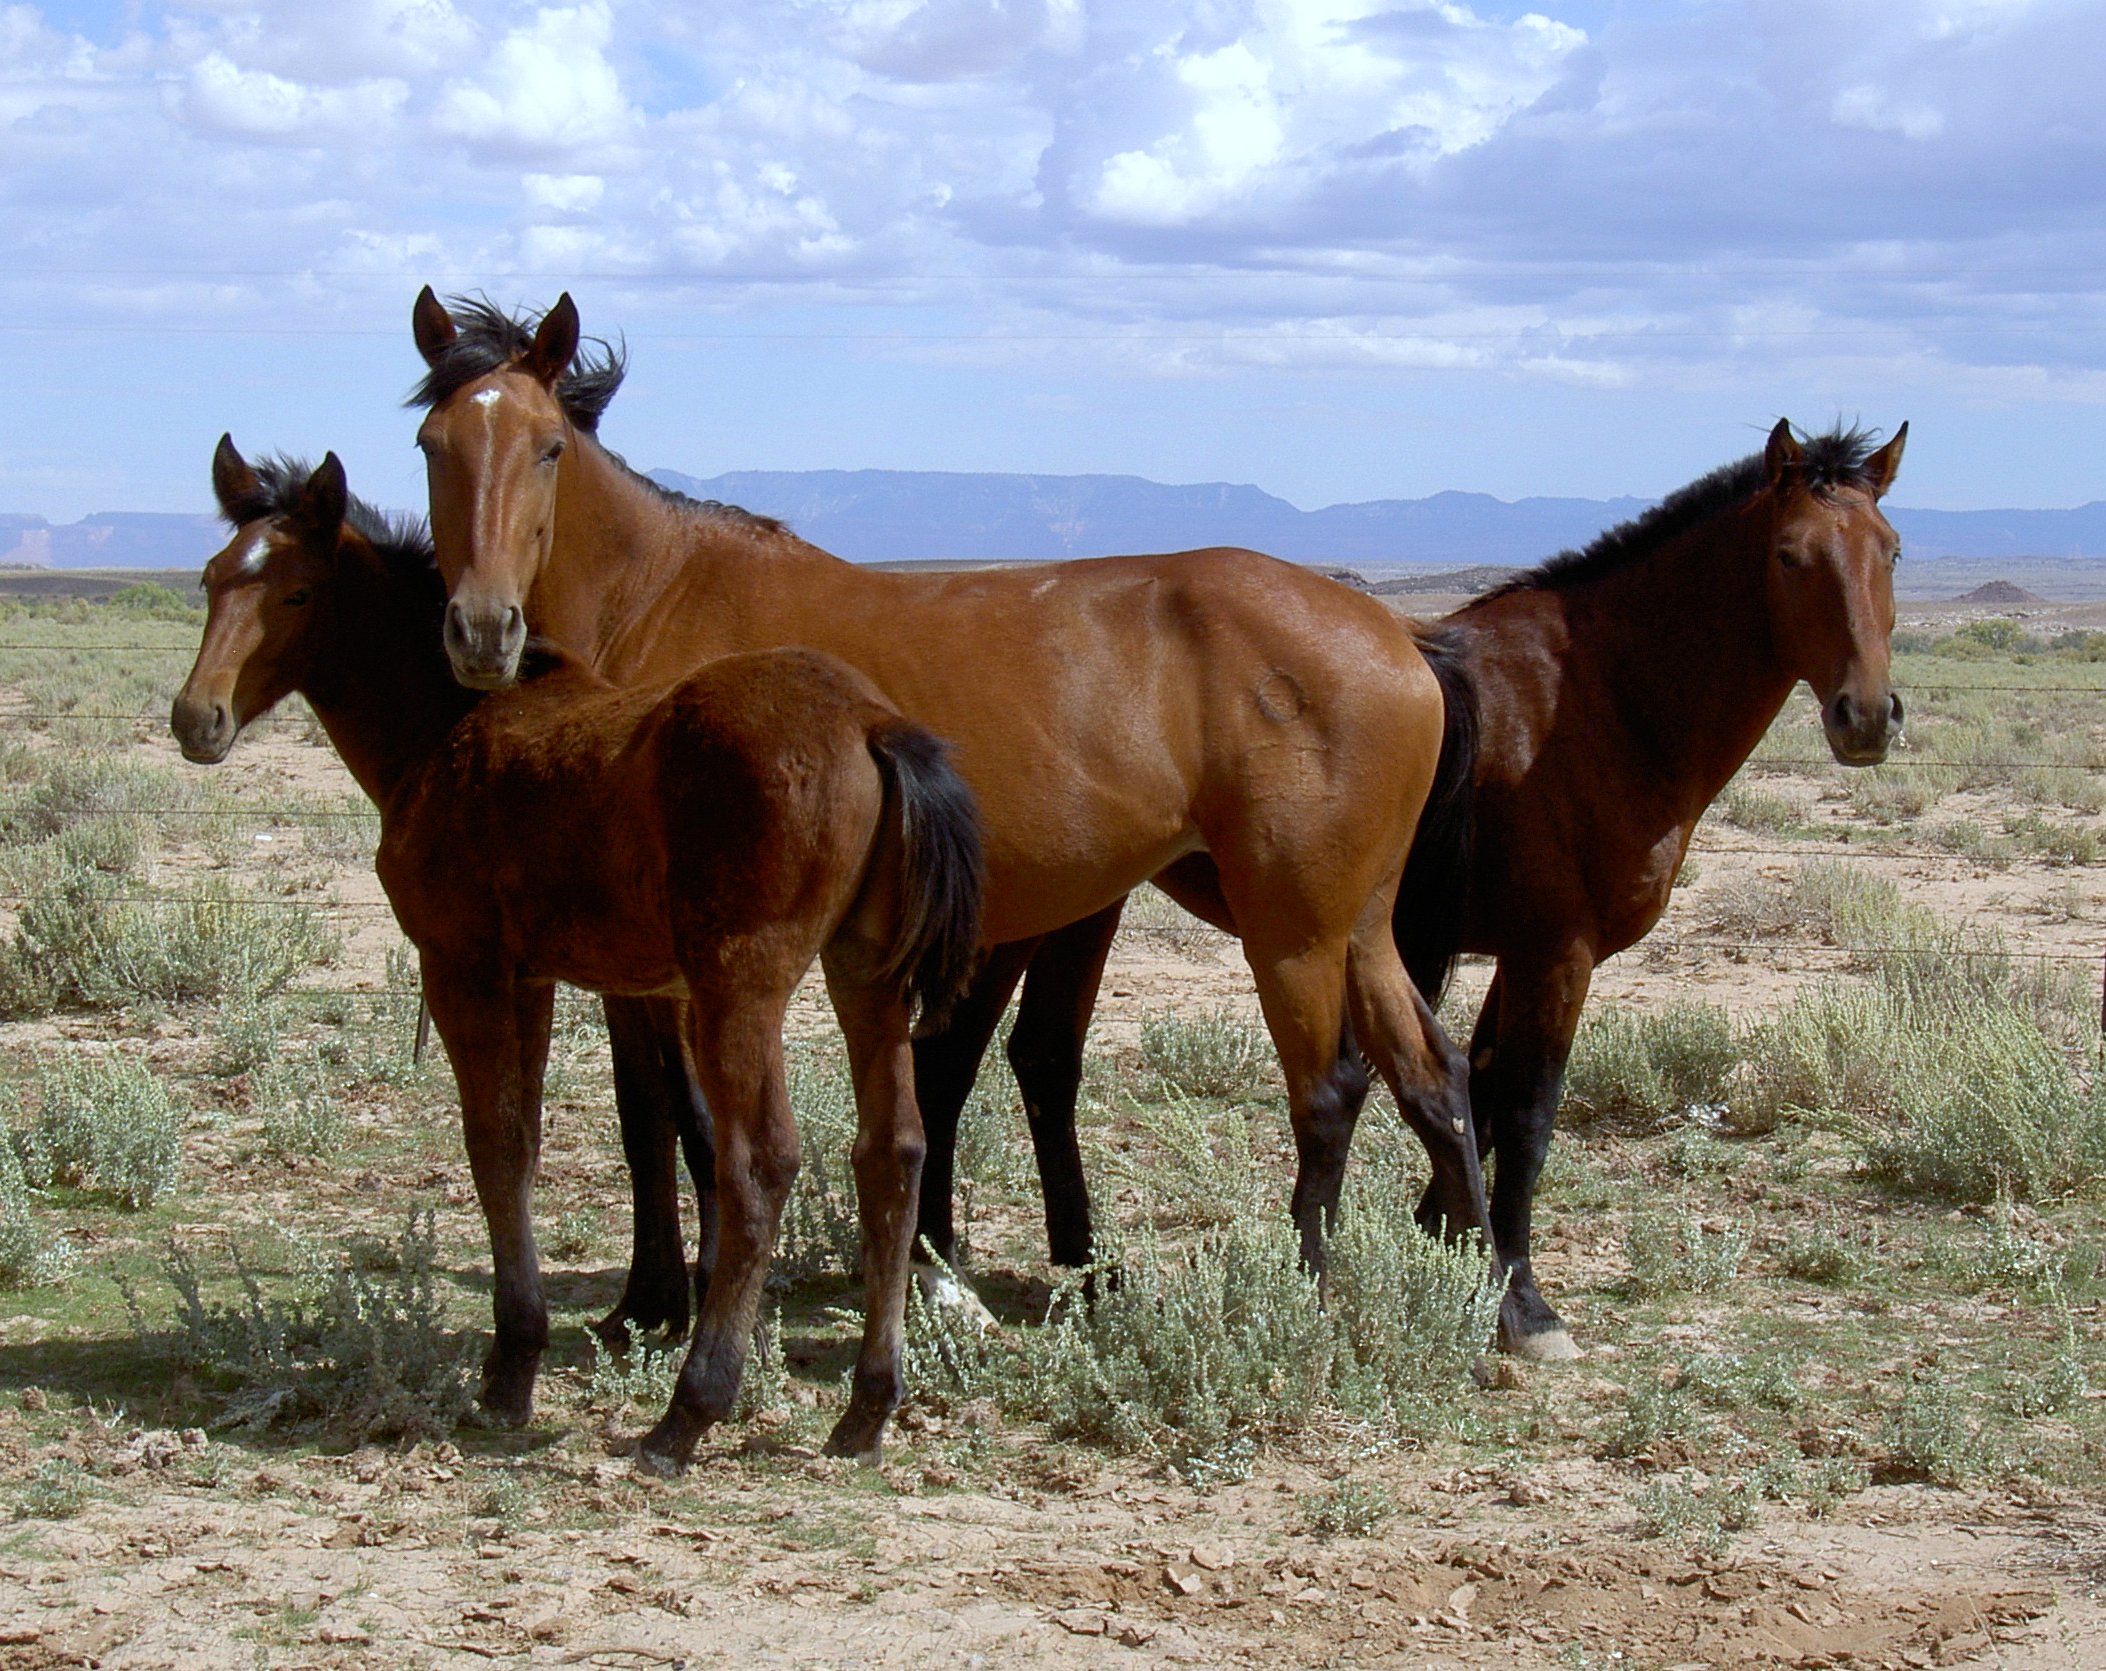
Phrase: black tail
{"type": "Point", "coordinates": [1428, 921]}
{"type": "Point", "coordinates": [942, 868]}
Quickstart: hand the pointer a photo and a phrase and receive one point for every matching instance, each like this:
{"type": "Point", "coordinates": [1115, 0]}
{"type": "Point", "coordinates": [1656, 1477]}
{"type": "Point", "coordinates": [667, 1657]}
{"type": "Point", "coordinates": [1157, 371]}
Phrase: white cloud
{"type": "Point", "coordinates": [1878, 111]}
{"type": "Point", "coordinates": [570, 194]}
{"type": "Point", "coordinates": [548, 88]}
{"type": "Point", "coordinates": [256, 104]}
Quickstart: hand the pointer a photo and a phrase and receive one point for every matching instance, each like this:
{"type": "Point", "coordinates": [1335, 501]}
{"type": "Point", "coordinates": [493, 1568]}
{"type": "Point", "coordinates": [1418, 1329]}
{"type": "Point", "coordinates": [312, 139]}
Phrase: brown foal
{"type": "Point", "coordinates": [711, 837]}
{"type": "Point", "coordinates": [1116, 718]}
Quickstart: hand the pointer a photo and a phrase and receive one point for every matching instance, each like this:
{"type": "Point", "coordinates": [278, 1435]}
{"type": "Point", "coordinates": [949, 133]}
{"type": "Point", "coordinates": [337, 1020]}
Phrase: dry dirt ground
{"type": "Point", "coordinates": [978, 1543]}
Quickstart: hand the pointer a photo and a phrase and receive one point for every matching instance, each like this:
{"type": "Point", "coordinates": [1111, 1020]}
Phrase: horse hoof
{"type": "Point", "coordinates": [657, 1465]}
{"type": "Point", "coordinates": [612, 1332]}
{"type": "Point", "coordinates": [943, 1290]}
{"type": "Point", "coordinates": [1544, 1346]}
{"type": "Point", "coordinates": [853, 1440]}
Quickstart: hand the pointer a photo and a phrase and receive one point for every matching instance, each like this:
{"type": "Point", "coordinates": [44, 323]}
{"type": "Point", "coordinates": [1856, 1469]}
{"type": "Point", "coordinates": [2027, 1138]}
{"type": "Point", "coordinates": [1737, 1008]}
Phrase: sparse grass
{"type": "Point", "coordinates": [821, 1233]}
{"type": "Point", "coordinates": [1760, 811]}
{"type": "Point", "coordinates": [1639, 1068]}
{"type": "Point", "coordinates": [1680, 1254]}
{"type": "Point", "coordinates": [1153, 916]}
{"type": "Point", "coordinates": [1997, 1110]}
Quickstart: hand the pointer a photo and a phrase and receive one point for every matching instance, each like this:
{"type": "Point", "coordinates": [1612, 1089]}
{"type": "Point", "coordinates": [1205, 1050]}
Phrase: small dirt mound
{"type": "Point", "coordinates": [1999, 591]}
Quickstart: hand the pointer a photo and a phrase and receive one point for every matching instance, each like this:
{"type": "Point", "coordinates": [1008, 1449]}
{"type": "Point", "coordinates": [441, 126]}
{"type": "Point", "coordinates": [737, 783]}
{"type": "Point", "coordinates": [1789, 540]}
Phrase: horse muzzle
{"type": "Point", "coordinates": [484, 644]}
{"type": "Point", "coordinates": [1860, 733]}
{"type": "Point", "coordinates": [204, 730]}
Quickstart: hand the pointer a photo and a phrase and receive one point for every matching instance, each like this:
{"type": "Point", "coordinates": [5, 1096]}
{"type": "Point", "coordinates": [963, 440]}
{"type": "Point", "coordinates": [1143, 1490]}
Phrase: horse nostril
{"type": "Point", "coordinates": [515, 625]}
{"type": "Point", "coordinates": [1894, 710]}
{"type": "Point", "coordinates": [1845, 711]}
{"type": "Point", "coordinates": [456, 627]}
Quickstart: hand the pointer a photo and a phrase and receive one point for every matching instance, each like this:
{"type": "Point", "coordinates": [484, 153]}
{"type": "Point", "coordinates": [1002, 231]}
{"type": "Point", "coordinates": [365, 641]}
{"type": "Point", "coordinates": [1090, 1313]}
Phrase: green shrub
{"type": "Point", "coordinates": [1639, 1068]}
{"type": "Point", "coordinates": [1200, 1355]}
{"type": "Point", "coordinates": [1350, 1509]}
{"type": "Point", "coordinates": [1836, 1047]}
{"type": "Point", "coordinates": [1212, 1054]}
{"type": "Point", "coordinates": [79, 944]}
{"type": "Point", "coordinates": [56, 1489]}
{"type": "Point", "coordinates": [147, 600]}
{"type": "Point", "coordinates": [1191, 1350]}
{"type": "Point", "coordinates": [1929, 1435]}
{"type": "Point", "coordinates": [301, 1116]}
{"type": "Point", "coordinates": [1820, 1253]}
{"type": "Point", "coordinates": [106, 1124]}
{"type": "Point", "coordinates": [1194, 1162]}
{"type": "Point", "coordinates": [1990, 1106]}
{"type": "Point", "coordinates": [30, 1254]}
{"type": "Point", "coordinates": [362, 1352]}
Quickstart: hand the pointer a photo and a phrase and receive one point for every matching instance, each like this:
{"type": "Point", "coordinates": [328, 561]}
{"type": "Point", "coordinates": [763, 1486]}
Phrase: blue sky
{"type": "Point", "coordinates": [1344, 249]}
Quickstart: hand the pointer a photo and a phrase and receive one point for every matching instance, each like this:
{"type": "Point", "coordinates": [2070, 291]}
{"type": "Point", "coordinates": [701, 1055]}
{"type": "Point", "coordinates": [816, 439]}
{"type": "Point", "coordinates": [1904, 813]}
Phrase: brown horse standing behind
{"type": "Point", "coordinates": [1117, 719]}
{"type": "Point", "coordinates": [1617, 689]}
{"type": "Point", "coordinates": [713, 837]}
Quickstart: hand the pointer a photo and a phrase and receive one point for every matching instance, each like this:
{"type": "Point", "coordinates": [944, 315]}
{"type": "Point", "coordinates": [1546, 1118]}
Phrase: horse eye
{"type": "Point", "coordinates": [1791, 557]}
{"type": "Point", "coordinates": [554, 452]}
{"type": "Point", "coordinates": [293, 600]}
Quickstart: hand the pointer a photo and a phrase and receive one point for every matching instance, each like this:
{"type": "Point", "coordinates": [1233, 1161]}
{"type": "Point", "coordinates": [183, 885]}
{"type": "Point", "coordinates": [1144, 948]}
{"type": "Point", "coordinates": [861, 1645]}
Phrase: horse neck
{"type": "Point", "coordinates": [380, 683]}
{"type": "Point", "coordinates": [1679, 644]}
{"type": "Point", "coordinates": [626, 561]}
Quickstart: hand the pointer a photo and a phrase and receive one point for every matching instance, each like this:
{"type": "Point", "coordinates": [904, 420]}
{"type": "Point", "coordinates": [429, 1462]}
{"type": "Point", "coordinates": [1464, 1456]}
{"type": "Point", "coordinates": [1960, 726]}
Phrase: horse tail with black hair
{"type": "Point", "coordinates": [935, 949]}
{"type": "Point", "coordinates": [1434, 895]}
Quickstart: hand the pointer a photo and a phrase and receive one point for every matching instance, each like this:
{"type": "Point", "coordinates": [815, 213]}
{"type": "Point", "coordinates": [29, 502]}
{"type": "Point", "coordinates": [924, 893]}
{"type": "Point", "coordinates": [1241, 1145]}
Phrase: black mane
{"type": "Point", "coordinates": [1834, 460]}
{"type": "Point", "coordinates": [280, 481]}
{"type": "Point", "coordinates": [487, 338]}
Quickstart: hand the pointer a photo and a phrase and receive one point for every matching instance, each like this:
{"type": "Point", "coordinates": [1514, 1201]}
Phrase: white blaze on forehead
{"type": "Point", "coordinates": [253, 555]}
{"type": "Point", "coordinates": [487, 397]}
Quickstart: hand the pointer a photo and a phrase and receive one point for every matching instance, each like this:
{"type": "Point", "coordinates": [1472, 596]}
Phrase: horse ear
{"type": "Point", "coordinates": [432, 325]}
{"type": "Point", "coordinates": [234, 484]}
{"type": "Point", "coordinates": [1883, 466]}
{"type": "Point", "coordinates": [555, 343]}
{"type": "Point", "coordinates": [324, 499]}
{"type": "Point", "coordinates": [1781, 454]}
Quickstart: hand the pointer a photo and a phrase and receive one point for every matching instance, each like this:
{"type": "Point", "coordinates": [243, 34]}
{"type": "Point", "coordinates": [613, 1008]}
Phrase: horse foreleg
{"type": "Point", "coordinates": [1045, 1053]}
{"type": "Point", "coordinates": [946, 1063]}
{"type": "Point", "coordinates": [738, 1058]}
{"type": "Point", "coordinates": [1516, 1080]}
{"type": "Point", "coordinates": [888, 1161]}
{"type": "Point", "coordinates": [495, 1030]}
{"type": "Point", "coordinates": [657, 1102]}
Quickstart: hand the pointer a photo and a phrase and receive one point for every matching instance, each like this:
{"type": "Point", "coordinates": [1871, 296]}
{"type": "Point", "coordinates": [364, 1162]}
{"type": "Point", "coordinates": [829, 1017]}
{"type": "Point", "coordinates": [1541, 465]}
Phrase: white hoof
{"type": "Point", "coordinates": [1551, 1346]}
{"type": "Point", "coordinates": [943, 1290]}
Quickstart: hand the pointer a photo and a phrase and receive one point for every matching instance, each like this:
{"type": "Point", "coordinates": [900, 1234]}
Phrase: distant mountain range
{"type": "Point", "coordinates": [875, 516]}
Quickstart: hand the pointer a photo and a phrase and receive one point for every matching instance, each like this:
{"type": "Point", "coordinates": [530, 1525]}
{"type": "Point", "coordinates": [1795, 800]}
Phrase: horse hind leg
{"type": "Point", "coordinates": [658, 1102]}
{"type": "Point", "coordinates": [1302, 994]}
{"type": "Point", "coordinates": [1427, 1075]}
{"type": "Point", "coordinates": [888, 1156]}
{"type": "Point", "coordinates": [738, 1057]}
